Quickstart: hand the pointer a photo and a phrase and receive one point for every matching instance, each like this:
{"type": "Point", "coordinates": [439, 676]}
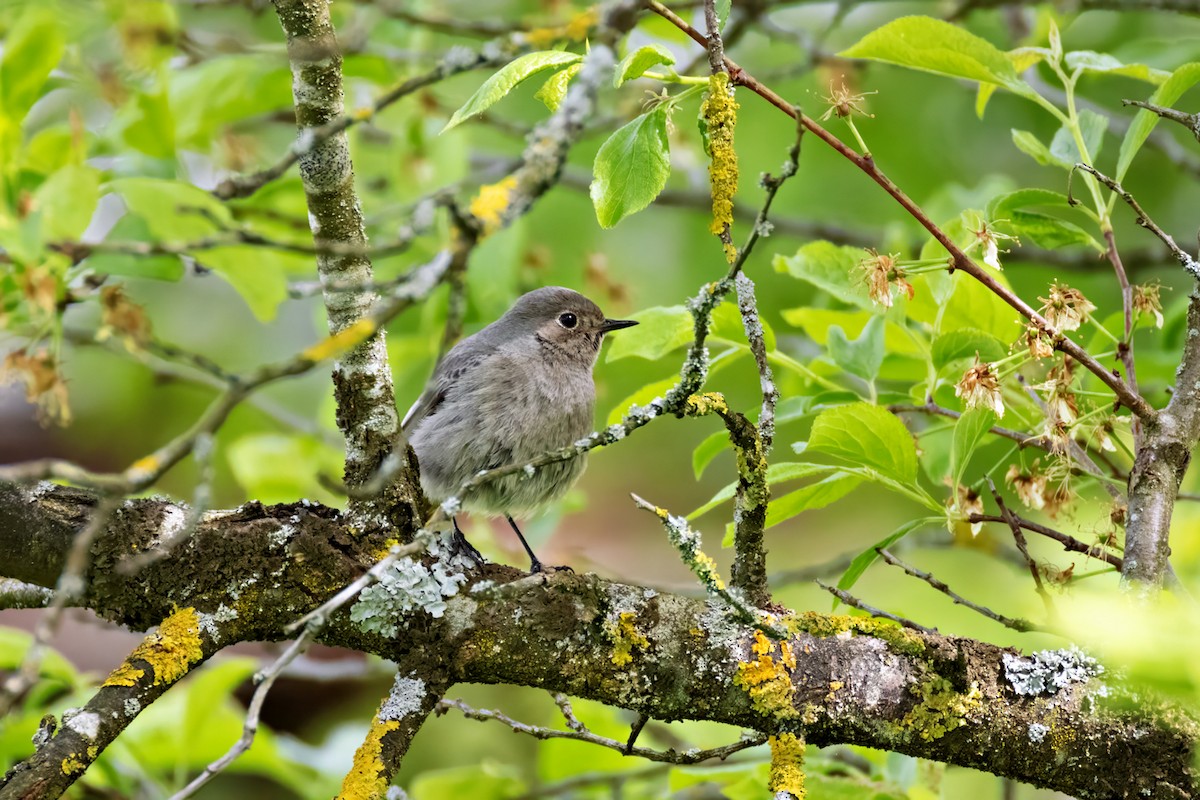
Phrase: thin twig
{"type": "Point", "coordinates": [1069, 543]}
{"type": "Point", "coordinates": [1016, 623]}
{"type": "Point", "coordinates": [1189, 121]}
{"type": "Point", "coordinates": [1019, 537]}
{"type": "Point", "coordinates": [666, 756]}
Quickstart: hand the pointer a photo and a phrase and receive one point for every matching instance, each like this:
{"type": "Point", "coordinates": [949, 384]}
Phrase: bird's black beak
{"type": "Point", "coordinates": [617, 324]}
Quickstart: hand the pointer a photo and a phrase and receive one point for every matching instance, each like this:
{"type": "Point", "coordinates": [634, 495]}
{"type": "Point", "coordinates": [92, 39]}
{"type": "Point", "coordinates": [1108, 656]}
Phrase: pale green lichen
{"type": "Point", "coordinates": [941, 709]}
{"type": "Point", "coordinates": [625, 638]}
{"type": "Point", "coordinates": [901, 640]}
{"type": "Point", "coordinates": [787, 765]}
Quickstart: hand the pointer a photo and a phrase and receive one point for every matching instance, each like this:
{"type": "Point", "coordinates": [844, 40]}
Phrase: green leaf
{"type": "Point", "coordinates": [66, 202]}
{"type": "Point", "coordinates": [727, 325]}
{"type": "Point", "coordinates": [965, 343]}
{"type": "Point", "coordinates": [712, 446]}
{"type": "Point", "coordinates": [1001, 206]}
{"type": "Point", "coordinates": [866, 436]}
{"type": "Point", "coordinates": [867, 557]}
{"type": "Point", "coordinates": [174, 211]}
{"type": "Point", "coordinates": [277, 468]}
{"type": "Point", "coordinates": [776, 473]}
{"type": "Point", "coordinates": [1144, 122]}
{"type": "Point", "coordinates": [631, 167]}
{"type": "Point", "coordinates": [636, 62]}
{"type": "Point", "coordinates": [660, 330]}
{"type": "Point", "coordinates": [809, 498]}
{"type": "Point", "coordinates": [15, 644]}
{"type": "Point", "coordinates": [970, 429]}
{"type": "Point", "coordinates": [147, 124]}
{"type": "Point", "coordinates": [1031, 146]}
{"type": "Point", "coordinates": [489, 780]}
{"type": "Point", "coordinates": [862, 356]}
{"type": "Point", "coordinates": [1091, 61]}
{"type": "Point", "coordinates": [259, 274]}
{"type": "Point", "coordinates": [829, 267]}
{"type": "Point", "coordinates": [935, 46]}
{"type": "Point", "coordinates": [133, 228]}
{"type": "Point", "coordinates": [555, 88]}
{"type": "Point", "coordinates": [507, 79]}
{"type": "Point", "coordinates": [32, 48]}
{"type": "Point", "coordinates": [1050, 232]}
{"type": "Point", "coordinates": [1091, 127]}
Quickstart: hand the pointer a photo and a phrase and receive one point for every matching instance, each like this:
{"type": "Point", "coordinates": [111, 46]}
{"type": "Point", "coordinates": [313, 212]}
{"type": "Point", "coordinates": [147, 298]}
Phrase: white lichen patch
{"type": "Point", "coordinates": [1037, 731]}
{"type": "Point", "coordinates": [132, 706]}
{"type": "Point", "coordinates": [282, 535]}
{"type": "Point", "coordinates": [1049, 671]}
{"type": "Point", "coordinates": [408, 586]}
{"type": "Point", "coordinates": [403, 700]}
{"type": "Point", "coordinates": [85, 723]}
{"type": "Point", "coordinates": [211, 623]}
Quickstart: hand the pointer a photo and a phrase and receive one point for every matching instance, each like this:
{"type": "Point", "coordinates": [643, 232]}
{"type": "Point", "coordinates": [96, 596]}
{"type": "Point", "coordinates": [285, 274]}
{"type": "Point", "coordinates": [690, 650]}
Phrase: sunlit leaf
{"type": "Point", "coordinates": [631, 167]}
{"type": "Point", "coordinates": [508, 78]}
{"type": "Point", "coordinates": [831, 268]}
{"type": "Point", "coordinates": [866, 435]}
{"type": "Point", "coordinates": [636, 62]}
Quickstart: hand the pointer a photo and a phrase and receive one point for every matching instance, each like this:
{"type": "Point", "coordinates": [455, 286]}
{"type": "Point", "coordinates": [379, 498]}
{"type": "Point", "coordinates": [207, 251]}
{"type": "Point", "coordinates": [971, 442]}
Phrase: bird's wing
{"type": "Point", "coordinates": [462, 357]}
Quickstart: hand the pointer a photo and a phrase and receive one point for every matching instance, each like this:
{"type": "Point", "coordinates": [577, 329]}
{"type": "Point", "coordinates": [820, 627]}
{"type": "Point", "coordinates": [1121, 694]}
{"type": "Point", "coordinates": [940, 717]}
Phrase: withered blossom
{"type": "Point", "coordinates": [44, 385]}
{"type": "Point", "coordinates": [844, 102]}
{"type": "Point", "coordinates": [980, 388]}
{"type": "Point", "coordinates": [1030, 487]}
{"type": "Point", "coordinates": [1038, 342]}
{"type": "Point", "coordinates": [39, 286]}
{"type": "Point", "coordinates": [1065, 308]}
{"type": "Point", "coordinates": [963, 503]}
{"type": "Point", "coordinates": [122, 317]}
{"type": "Point", "coordinates": [880, 273]}
{"type": "Point", "coordinates": [989, 239]}
{"type": "Point", "coordinates": [1146, 300]}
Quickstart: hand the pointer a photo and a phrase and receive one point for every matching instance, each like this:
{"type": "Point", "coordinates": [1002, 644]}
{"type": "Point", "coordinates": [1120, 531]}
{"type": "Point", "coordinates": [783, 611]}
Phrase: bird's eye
{"type": "Point", "coordinates": [568, 320]}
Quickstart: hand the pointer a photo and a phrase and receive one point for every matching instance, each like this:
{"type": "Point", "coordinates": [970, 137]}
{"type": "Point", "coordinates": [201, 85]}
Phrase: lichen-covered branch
{"type": "Point", "coordinates": [839, 679]}
{"type": "Point", "coordinates": [362, 376]}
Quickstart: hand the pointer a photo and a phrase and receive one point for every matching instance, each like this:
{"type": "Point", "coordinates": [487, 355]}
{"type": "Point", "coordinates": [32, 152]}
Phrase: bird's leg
{"type": "Point", "coordinates": [534, 564]}
{"type": "Point", "coordinates": [460, 544]}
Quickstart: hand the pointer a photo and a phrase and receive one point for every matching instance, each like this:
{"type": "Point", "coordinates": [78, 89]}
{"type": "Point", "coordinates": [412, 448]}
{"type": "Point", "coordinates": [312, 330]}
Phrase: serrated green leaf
{"type": "Point", "coordinates": [259, 274]}
{"type": "Point", "coordinates": [1091, 61]}
{"type": "Point", "coordinates": [776, 473]}
{"type": "Point", "coordinates": [1091, 128]}
{"type": "Point", "coordinates": [1050, 232]}
{"type": "Point", "coordinates": [555, 88]}
{"type": "Point", "coordinates": [631, 167]}
{"type": "Point", "coordinates": [174, 211]}
{"type": "Point", "coordinates": [867, 557]}
{"type": "Point", "coordinates": [970, 429]}
{"type": "Point", "coordinates": [1031, 146]}
{"type": "Point", "coordinates": [508, 78]}
{"type": "Point", "coordinates": [809, 498]}
{"type": "Point", "coordinates": [862, 356]}
{"type": "Point", "coordinates": [66, 202]}
{"type": "Point", "coordinates": [866, 435]}
{"type": "Point", "coordinates": [1144, 122]}
{"type": "Point", "coordinates": [829, 267]}
{"type": "Point", "coordinates": [1002, 205]}
{"type": "Point", "coordinates": [32, 48]}
{"type": "Point", "coordinates": [965, 343]}
{"type": "Point", "coordinates": [636, 62]}
{"type": "Point", "coordinates": [660, 330]}
{"type": "Point", "coordinates": [935, 46]}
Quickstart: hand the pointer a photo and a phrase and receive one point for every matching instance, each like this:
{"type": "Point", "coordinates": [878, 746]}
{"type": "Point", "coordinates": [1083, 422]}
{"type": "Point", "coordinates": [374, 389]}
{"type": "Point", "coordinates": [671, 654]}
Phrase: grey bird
{"type": "Point", "coordinates": [514, 390]}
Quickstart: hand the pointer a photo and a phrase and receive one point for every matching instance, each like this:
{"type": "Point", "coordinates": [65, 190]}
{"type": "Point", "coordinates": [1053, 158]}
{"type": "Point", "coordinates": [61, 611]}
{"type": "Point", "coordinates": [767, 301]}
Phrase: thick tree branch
{"type": "Point", "coordinates": [841, 679]}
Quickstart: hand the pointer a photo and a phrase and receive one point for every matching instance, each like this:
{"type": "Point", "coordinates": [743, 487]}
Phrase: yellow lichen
{"type": "Point", "coordinates": [145, 465]}
{"type": "Point", "coordinates": [72, 765]}
{"type": "Point", "coordinates": [787, 765]}
{"type": "Point", "coordinates": [489, 205]}
{"type": "Point", "coordinates": [626, 638]}
{"type": "Point", "coordinates": [699, 405]}
{"type": "Point", "coordinates": [170, 651]}
{"type": "Point", "coordinates": [367, 778]}
{"type": "Point", "coordinates": [719, 111]}
{"type": "Point", "coordinates": [941, 709]}
{"type": "Point", "coordinates": [346, 339]}
{"type": "Point", "coordinates": [901, 640]}
{"type": "Point", "coordinates": [767, 679]}
{"type": "Point", "coordinates": [576, 29]}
